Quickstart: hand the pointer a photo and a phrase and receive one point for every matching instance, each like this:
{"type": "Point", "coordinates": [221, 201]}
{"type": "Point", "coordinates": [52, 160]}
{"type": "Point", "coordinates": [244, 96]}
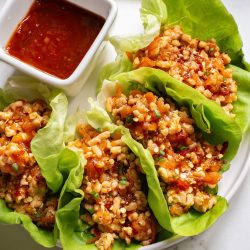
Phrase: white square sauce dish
{"type": "Point", "coordinates": [57, 41]}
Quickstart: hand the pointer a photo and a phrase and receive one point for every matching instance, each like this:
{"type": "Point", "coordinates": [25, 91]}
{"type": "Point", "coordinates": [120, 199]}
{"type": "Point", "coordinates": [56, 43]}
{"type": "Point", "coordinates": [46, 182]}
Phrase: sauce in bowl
{"type": "Point", "coordinates": [55, 36]}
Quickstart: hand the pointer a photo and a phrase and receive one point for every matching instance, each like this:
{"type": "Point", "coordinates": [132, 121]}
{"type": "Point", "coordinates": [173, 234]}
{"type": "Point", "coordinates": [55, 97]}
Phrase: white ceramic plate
{"type": "Point", "coordinates": [128, 22]}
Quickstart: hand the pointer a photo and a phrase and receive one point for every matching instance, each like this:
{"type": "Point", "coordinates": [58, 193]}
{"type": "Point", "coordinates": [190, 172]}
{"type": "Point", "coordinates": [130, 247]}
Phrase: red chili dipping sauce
{"type": "Point", "coordinates": [55, 36]}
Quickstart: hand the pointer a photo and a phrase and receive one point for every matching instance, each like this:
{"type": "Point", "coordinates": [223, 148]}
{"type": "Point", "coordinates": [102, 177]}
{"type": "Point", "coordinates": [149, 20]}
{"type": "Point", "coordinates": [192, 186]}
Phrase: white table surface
{"type": "Point", "coordinates": [230, 232]}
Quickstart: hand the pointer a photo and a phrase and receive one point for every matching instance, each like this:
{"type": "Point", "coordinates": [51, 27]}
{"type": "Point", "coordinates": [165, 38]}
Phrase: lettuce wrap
{"type": "Point", "coordinates": [216, 125]}
{"type": "Point", "coordinates": [46, 147]}
{"type": "Point", "coordinates": [191, 223]}
{"type": "Point", "coordinates": [75, 234]}
{"type": "Point", "coordinates": [199, 19]}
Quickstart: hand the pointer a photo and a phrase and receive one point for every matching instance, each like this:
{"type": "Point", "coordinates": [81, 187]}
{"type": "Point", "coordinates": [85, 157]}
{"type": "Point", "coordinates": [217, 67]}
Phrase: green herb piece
{"type": "Point", "coordinates": [162, 152]}
{"type": "Point", "coordinates": [183, 148]}
{"type": "Point", "coordinates": [99, 130]}
{"type": "Point", "coordinates": [157, 113]}
{"type": "Point", "coordinates": [38, 215]}
{"type": "Point", "coordinates": [159, 159]}
{"type": "Point", "coordinates": [91, 210]}
{"type": "Point", "coordinates": [212, 191]}
{"type": "Point", "coordinates": [206, 73]}
{"type": "Point", "coordinates": [95, 194]}
{"type": "Point", "coordinates": [123, 181]}
{"type": "Point", "coordinates": [15, 167]}
{"type": "Point", "coordinates": [129, 118]}
{"type": "Point", "coordinates": [121, 169]}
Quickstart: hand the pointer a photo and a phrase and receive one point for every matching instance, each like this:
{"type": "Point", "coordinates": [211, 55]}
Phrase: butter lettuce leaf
{"type": "Point", "coordinates": [67, 217]}
{"type": "Point", "coordinates": [242, 105]}
{"type": "Point", "coordinates": [206, 20]}
{"type": "Point", "coordinates": [46, 147]}
{"type": "Point", "coordinates": [48, 143]}
{"type": "Point", "coordinates": [42, 237]}
{"type": "Point", "coordinates": [193, 222]}
{"type": "Point", "coordinates": [153, 14]}
{"type": "Point", "coordinates": [121, 64]}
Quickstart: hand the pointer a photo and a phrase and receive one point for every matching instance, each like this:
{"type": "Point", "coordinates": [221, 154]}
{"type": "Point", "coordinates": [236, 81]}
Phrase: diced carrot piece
{"type": "Point", "coordinates": [126, 111]}
{"type": "Point", "coordinates": [150, 97]}
{"type": "Point", "coordinates": [212, 177]}
{"type": "Point", "coordinates": [118, 90]}
{"type": "Point", "coordinates": [161, 108]}
{"type": "Point", "coordinates": [147, 62]}
{"type": "Point", "coordinates": [168, 164]}
{"type": "Point", "coordinates": [103, 144]}
{"type": "Point", "coordinates": [152, 127]}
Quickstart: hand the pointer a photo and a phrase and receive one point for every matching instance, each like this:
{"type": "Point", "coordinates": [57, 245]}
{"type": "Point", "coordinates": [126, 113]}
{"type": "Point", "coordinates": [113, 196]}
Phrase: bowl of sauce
{"type": "Point", "coordinates": [54, 41]}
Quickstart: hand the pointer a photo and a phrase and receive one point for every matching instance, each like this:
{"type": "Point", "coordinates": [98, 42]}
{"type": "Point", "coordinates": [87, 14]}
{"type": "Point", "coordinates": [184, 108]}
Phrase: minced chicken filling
{"type": "Point", "coordinates": [115, 203]}
{"type": "Point", "coordinates": [186, 164]}
{"type": "Point", "coordinates": [22, 186]}
{"type": "Point", "coordinates": [197, 63]}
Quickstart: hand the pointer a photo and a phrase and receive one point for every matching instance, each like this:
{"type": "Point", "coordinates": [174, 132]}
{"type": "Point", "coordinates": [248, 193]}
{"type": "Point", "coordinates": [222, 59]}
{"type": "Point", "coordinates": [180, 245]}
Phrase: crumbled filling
{"type": "Point", "coordinates": [22, 185]}
{"type": "Point", "coordinates": [115, 203]}
{"type": "Point", "coordinates": [187, 166]}
{"type": "Point", "coordinates": [19, 123]}
{"type": "Point", "coordinates": [197, 63]}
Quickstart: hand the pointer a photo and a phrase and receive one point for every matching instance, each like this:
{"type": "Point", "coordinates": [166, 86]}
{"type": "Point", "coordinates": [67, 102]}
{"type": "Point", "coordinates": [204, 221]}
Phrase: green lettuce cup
{"type": "Point", "coordinates": [75, 233]}
{"type": "Point", "coordinates": [46, 147]}
{"type": "Point", "coordinates": [216, 125]}
{"type": "Point", "coordinates": [198, 24]}
{"type": "Point", "coordinates": [188, 224]}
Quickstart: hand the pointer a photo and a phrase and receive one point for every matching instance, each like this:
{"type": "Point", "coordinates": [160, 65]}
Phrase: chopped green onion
{"type": "Point", "coordinates": [91, 210]}
{"type": "Point", "coordinates": [99, 130]}
{"type": "Point", "coordinates": [123, 181]}
{"type": "Point", "coordinates": [157, 113]}
{"type": "Point", "coordinates": [15, 167]}
{"type": "Point", "coordinates": [160, 159]}
{"type": "Point", "coordinates": [183, 147]}
{"type": "Point", "coordinates": [121, 169]}
{"type": "Point", "coordinates": [38, 215]}
{"type": "Point", "coordinates": [129, 118]}
{"type": "Point", "coordinates": [206, 73]}
{"type": "Point", "coordinates": [95, 194]}
{"type": "Point", "coordinates": [162, 152]}
{"type": "Point", "coordinates": [212, 191]}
